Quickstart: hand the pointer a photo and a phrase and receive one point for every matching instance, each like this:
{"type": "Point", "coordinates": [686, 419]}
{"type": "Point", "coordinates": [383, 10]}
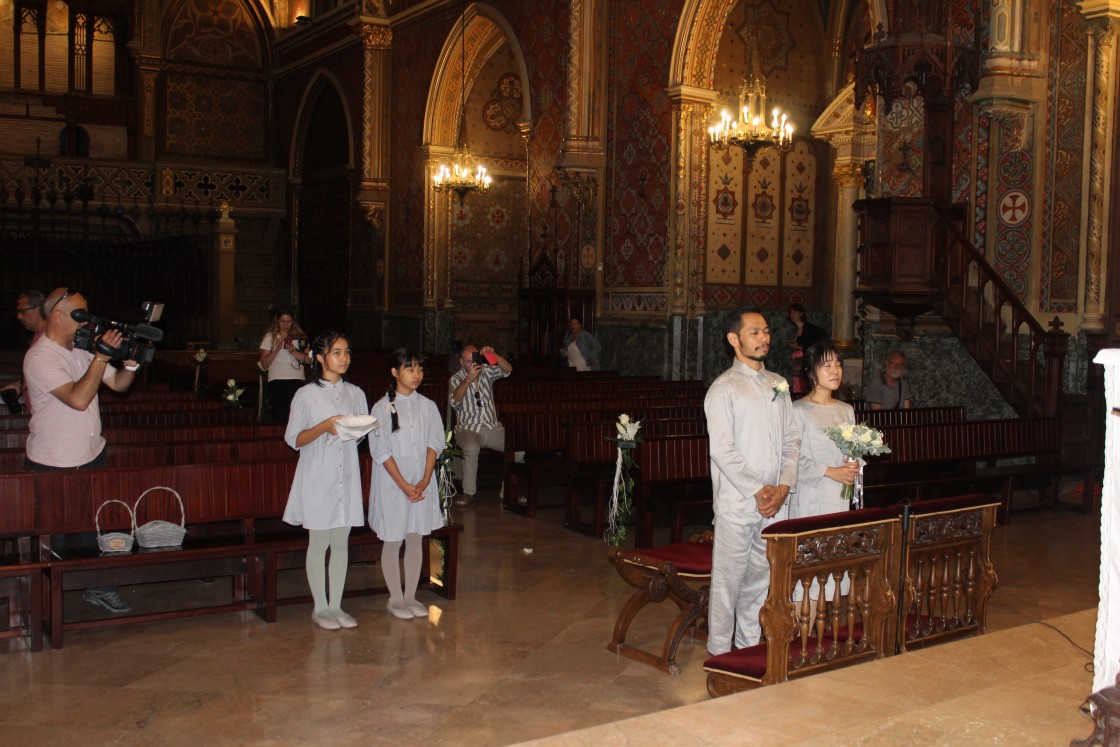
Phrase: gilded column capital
{"type": "Point", "coordinates": [848, 174]}
{"type": "Point", "coordinates": [376, 36]}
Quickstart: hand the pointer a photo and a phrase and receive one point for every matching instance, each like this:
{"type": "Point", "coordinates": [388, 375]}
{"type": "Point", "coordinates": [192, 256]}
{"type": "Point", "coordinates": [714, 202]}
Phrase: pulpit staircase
{"type": "Point", "coordinates": [916, 257]}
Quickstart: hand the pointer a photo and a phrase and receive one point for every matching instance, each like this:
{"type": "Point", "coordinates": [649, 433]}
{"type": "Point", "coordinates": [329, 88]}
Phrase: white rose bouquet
{"type": "Point", "coordinates": [855, 442]}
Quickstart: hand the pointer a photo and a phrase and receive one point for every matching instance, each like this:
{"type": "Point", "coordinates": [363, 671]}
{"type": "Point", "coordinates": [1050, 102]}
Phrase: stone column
{"type": "Point", "coordinates": [847, 179]}
{"type": "Point", "coordinates": [223, 310]}
{"type": "Point", "coordinates": [1102, 31]}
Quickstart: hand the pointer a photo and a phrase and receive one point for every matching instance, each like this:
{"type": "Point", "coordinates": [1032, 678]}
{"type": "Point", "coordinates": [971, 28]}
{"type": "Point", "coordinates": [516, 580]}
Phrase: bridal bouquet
{"type": "Point", "coordinates": [855, 441]}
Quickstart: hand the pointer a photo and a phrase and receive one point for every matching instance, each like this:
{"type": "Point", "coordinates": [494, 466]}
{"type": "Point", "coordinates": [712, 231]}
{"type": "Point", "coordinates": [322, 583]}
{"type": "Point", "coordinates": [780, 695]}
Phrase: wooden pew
{"type": "Point", "coordinates": [174, 452]}
{"type": "Point", "coordinates": [147, 434]}
{"type": "Point", "coordinates": [674, 468]}
{"type": "Point", "coordinates": [681, 572]}
{"type": "Point", "coordinates": [859, 553]}
{"type": "Point", "coordinates": [224, 504]}
{"type": "Point", "coordinates": [590, 455]}
{"type": "Point", "coordinates": [951, 454]}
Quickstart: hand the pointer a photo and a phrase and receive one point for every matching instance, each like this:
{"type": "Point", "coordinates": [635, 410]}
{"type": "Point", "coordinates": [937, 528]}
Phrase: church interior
{"type": "Point", "coordinates": [931, 179]}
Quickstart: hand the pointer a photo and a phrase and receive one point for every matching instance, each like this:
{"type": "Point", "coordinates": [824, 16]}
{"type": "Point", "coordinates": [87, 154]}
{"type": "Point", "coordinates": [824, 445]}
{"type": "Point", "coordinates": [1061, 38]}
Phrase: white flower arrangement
{"type": "Point", "coordinates": [627, 429]}
{"type": "Point", "coordinates": [621, 504]}
{"type": "Point", "coordinates": [233, 392]}
{"type": "Point", "coordinates": [781, 389]}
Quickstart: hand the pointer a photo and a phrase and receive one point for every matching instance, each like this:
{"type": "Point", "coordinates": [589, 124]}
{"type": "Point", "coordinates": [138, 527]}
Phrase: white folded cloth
{"type": "Point", "coordinates": [353, 427]}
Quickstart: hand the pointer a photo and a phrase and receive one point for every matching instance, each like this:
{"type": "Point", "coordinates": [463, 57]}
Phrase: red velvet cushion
{"type": "Point", "coordinates": [688, 557]}
{"type": "Point", "coordinates": [829, 521]}
{"type": "Point", "coordinates": [955, 503]}
{"type": "Point", "coordinates": [750, 662]}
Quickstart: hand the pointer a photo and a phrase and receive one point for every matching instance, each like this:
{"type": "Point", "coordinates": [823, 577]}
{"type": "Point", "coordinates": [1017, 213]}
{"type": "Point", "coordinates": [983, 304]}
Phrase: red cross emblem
{"type": "Point", "coordinates": [1014, 207]}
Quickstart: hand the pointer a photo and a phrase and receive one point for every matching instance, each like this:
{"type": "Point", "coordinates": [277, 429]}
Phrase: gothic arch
{"type": "Point", "coordinates": [320, 80]}
{"type": "Point", "coordinates": [697, 42]}
{"type": "Point", "coordinates": [259, 19]}
{"type": "Point", "coordinates": [484, 29]}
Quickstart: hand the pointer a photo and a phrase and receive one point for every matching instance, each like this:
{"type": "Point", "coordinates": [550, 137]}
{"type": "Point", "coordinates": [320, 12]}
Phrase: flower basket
{"type": "Point", "coordinates": [160, 533]}
{"type": "Point", "coordinates": [115, 542]}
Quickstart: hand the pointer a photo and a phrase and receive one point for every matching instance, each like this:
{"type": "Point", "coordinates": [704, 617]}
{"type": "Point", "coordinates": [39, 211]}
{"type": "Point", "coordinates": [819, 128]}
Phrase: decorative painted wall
{"type": "Point", "coordinates": [1014, 213]}
{"type": "Point", "coordinates": [639, 138]}
{"type": "Point", "coordinates": [487, 243]}
{"type": "Point", "coordinates": [213, 84]}
{"type": "Point", "coordinates": [901, 147]}
{"type": "Point", "coordinates": [1064, 145]}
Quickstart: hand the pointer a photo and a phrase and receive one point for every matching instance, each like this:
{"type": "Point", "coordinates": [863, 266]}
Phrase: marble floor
{"type": "Point", "coordinates": [521, 655]}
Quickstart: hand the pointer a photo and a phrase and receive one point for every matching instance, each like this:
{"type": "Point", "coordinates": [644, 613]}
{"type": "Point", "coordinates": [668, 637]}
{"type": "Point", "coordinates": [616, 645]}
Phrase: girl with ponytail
{"type": "Point", "coordinates": [326, 494]}
{"type": "Point", "coordinates": [404, 499]}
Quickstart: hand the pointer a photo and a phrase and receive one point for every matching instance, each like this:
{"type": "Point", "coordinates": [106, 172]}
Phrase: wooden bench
{"type": "Point", "coordinates": [224, 504]}
{"type": "Point", "coordinates": [681, 572]}
{"type": "Point", "coordinates": [591, 450]}
{"type": "Point", "coordinates": [147, 434]}
{"type": "Point", "coordinates": [673, 468]}
{"type": "Point", "coordinates": [860, 550]}
{"type": "Point", "coordinates": [174, 452]}
{"type": "Point", "coordinates": [951, 453]}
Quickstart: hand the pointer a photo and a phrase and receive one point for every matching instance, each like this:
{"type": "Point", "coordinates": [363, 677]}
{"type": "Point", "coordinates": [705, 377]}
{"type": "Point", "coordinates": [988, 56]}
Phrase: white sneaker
{"type": "Point", "coordinates": [325, 620]}
{"type": "Point", "coordinates": [343, 619]}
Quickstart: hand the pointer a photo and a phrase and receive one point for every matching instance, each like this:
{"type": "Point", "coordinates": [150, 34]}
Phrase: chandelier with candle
{"type": "Point", "coordinates": [464, 175]}
{"type": "Point", "coordinates": [756, 127]}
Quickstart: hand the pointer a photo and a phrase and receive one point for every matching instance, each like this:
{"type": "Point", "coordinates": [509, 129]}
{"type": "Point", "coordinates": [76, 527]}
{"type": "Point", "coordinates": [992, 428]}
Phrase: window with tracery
{"type": "Point", "coordinates": [48, 46]}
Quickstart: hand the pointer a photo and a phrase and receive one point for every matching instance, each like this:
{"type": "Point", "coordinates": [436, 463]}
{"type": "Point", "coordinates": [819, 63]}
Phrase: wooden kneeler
{"type": "Point", "coordinates": [850, 560]}
{"type": "Point", "coordinates": [681, 572]}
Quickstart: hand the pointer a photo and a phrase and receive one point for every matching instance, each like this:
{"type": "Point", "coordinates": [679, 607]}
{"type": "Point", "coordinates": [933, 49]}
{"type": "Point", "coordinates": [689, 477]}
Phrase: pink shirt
{"type": "Point", "coordinates": [60, 435]}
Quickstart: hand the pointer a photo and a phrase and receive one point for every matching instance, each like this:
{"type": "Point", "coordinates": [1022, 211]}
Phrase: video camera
{"type": "Point", "coordinates": [136, 339]}
{"type": "Point", "coordinates": [298, 343]}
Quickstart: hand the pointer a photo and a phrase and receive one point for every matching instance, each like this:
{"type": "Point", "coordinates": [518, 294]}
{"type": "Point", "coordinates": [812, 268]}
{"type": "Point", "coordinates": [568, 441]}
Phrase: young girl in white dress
{"type": "Point", "coordinates": [822, 472]}
{"type": "Point", "coordinates": [404, 499]}
{"type": "Point", "coordinates": [326, 495]}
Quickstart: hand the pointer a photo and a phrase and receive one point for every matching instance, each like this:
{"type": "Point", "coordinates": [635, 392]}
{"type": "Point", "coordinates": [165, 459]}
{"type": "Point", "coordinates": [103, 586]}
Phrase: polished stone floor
{"type": "Point", "coordinates": [521, 655]}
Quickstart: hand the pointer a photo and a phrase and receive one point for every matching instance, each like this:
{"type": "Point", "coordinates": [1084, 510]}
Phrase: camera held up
{"type": "Point", "coordinates": [136, 339]}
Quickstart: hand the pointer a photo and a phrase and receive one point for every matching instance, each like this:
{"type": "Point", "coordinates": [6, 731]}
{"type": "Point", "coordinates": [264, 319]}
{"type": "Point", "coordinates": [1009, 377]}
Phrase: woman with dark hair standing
{"type": "Point", "coordinates": [404, 499]}
{"type": "Point", "coordinates": [283, 353]}
{"type": "Point", "coordinates": [822, 471]}
{"type": "Point", "coordinates": [805, 335]}
{"type": "Point", "coordinates": [326, 494]}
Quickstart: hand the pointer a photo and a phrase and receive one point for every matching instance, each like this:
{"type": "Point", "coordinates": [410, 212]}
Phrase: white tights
{"type": "Point", "coordinates": [390, 567]}
{"type": "Point", "coordinates": [338, 540]}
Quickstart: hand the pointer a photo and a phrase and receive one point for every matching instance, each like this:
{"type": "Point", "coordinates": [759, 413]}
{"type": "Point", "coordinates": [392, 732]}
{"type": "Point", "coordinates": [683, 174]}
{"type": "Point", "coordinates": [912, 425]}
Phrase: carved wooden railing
{"type": "Point", "coordinates": [1023, 358]}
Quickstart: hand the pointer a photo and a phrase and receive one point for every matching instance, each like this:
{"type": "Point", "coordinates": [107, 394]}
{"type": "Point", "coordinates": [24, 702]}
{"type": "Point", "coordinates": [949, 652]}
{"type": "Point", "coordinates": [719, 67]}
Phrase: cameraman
{"type": "Point", "coordinates": [62, 384]}
{"type": "Point", "coordinates": [284, 353]}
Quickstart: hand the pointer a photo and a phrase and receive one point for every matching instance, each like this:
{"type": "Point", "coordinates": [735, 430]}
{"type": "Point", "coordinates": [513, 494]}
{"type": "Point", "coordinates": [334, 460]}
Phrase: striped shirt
{"type": "Point", "coordinates": [476, 411]}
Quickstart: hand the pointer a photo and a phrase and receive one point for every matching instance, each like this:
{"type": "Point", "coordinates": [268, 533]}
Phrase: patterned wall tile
{"type": "Point", "coordinates": [1064, 145]}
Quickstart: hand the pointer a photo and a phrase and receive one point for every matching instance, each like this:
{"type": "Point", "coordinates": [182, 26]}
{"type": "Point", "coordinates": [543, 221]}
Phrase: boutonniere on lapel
{"type": "Point", "coordinates": [781, 389]}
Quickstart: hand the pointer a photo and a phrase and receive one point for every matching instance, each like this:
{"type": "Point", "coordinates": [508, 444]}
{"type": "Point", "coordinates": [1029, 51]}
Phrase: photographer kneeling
{"type": "Point", "coordinates": [283, 354]}
{"type": "Point", "coordinates": [62, 383]}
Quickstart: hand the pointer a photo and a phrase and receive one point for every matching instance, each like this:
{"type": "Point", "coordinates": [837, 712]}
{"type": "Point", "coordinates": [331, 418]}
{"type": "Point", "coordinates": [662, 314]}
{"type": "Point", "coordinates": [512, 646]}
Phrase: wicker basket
{"type": "Point", "coordinates": [161, 533]}
{"type": "Point", "coordinates": [115, 542]}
